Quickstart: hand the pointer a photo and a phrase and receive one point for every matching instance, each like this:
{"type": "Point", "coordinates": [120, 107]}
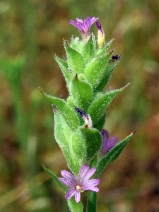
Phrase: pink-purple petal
{"type": "Point", "coordinates": [68, 182]}
{"type": "Point", "coordinates": [70, 193]}
{"type": "Point", "coordinates": [92, 182]}
{"type": "Point", "coordinates": [105, 135]}
{"type": "Point", "coordinates": [113, 140]}
{"type": "Point", "coordinates": [108, 144]}
{"type": "Point", "coordinates": [77, 196]}
{"type": "Point", "coordinates": [82, 172]}
{"type": "Point", "coordinates": [93, 20]}
{"type": "Point", "coordinates": [79, 20]}
{"type": "Point", "coordinates": [89, 188]}
{"type": "Point", "coordinates": [89, 174]}
{"type": "Point", "coordinates": [67, 174]}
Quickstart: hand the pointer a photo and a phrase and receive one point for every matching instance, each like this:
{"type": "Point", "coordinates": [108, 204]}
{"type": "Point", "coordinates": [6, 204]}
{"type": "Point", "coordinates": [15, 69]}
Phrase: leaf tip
{"type": "Point", "coordinates": [54, 108]}
{"type": "Point", "coordinates": [127, 85]}
{"type": "Point", "coordinates": [54, 54]}
{"type": "Point", "coordinates": [41, 90]}
{"type": "Point", "coordinates": [42, 165]}
{"type": "Point", "coordinates": [134, 132]}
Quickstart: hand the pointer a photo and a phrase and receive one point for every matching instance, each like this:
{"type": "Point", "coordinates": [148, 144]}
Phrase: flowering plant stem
{"type": "Point", "coordinates": [79, 120]}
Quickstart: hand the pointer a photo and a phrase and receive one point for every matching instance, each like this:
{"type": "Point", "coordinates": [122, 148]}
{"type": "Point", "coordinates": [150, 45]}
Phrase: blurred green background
{"type": "Point", "coordinates": [30, 32]}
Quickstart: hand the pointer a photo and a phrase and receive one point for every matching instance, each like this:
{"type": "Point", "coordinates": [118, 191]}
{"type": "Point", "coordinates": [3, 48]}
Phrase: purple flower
{"type": "Point", "coordinates": [86, 117]}
{"type": "Point", "coordinates": [83, 26]}
{"type": "Point", "coordinates": [108, 144]}
{"type": "Point", "coordinates": [81, 184]}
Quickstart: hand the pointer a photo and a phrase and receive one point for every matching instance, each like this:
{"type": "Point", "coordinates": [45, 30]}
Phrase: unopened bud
{"type": "Point", "coordinates": [86, 117]}
{"type": "Point", "coordinates": [101, 35]}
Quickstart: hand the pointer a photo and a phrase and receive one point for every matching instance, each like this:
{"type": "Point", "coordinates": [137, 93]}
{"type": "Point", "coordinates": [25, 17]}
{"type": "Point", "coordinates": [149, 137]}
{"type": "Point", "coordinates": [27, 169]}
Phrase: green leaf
{"type": "Point", "coordinates": [71, 103]}
{"type": "Point", "coordinates": [76, 44]}
{"type": "Point", "coordinates": [55, 178]}
{"type": "Point", "coordinates": [69, 115]}
{"type": "Point", "coordinates": [94, 141]}
{"type": "Point", "coordinates": [95, 70]}
{"type": "Point", "coordinates": [78, 147]}
{"type": "Point", "coordinates": [75, 60]}
{"type": "Point", "coordinates": [111, 155]}
{"type": "Point", "coordinates": [64, 68]}
{"type": "Point", "coordinates": [92, 202]}
{"type": "Point", "coordinates": [63, 135]}
{"type": "Point", "coordinates": [81, 92]}
{"type": "Point", "coordinates": [62, 131]}
{"type": "Point", "coordinates": [88, 49]}
{"type": "Point", "coordinates": [107, 76]}
{"type": "Point", "coordinates": [98, 107]}
{"type": "Point", "coordinates": [74, 206]}
{"type": "Point", "coordinates": [99, 125]}
{"type": "Point", "coordinates": [85, 144]}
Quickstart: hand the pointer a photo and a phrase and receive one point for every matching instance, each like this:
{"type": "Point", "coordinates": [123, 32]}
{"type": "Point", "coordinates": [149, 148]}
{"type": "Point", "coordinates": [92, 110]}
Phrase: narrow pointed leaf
{"type": "Point", "coordinates": [69, 115]}
{"type": "Point", "coordinates": [55, 178]}
{"type": "Point", "coordinates": [64, 68]}
{"type": "Point", "coordinates": [112, 155]}
{"type": "Point", "coordinates": [75, 60]}
{"type": "Point", "coordinates": [107, 76]}
{"type": "Point", "coordinates": [98, 107]}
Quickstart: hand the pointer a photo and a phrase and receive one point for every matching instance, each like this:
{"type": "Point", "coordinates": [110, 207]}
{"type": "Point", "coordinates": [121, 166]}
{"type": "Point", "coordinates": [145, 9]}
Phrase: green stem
{"type": "Point", "coordinates": [92, 199]}
{"type": "Point", "coordinates": [85, 196]}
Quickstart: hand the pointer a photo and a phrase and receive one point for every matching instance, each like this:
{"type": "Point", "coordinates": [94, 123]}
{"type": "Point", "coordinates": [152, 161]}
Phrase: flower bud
{"type": "Point", "coordinates": [101, 35]}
